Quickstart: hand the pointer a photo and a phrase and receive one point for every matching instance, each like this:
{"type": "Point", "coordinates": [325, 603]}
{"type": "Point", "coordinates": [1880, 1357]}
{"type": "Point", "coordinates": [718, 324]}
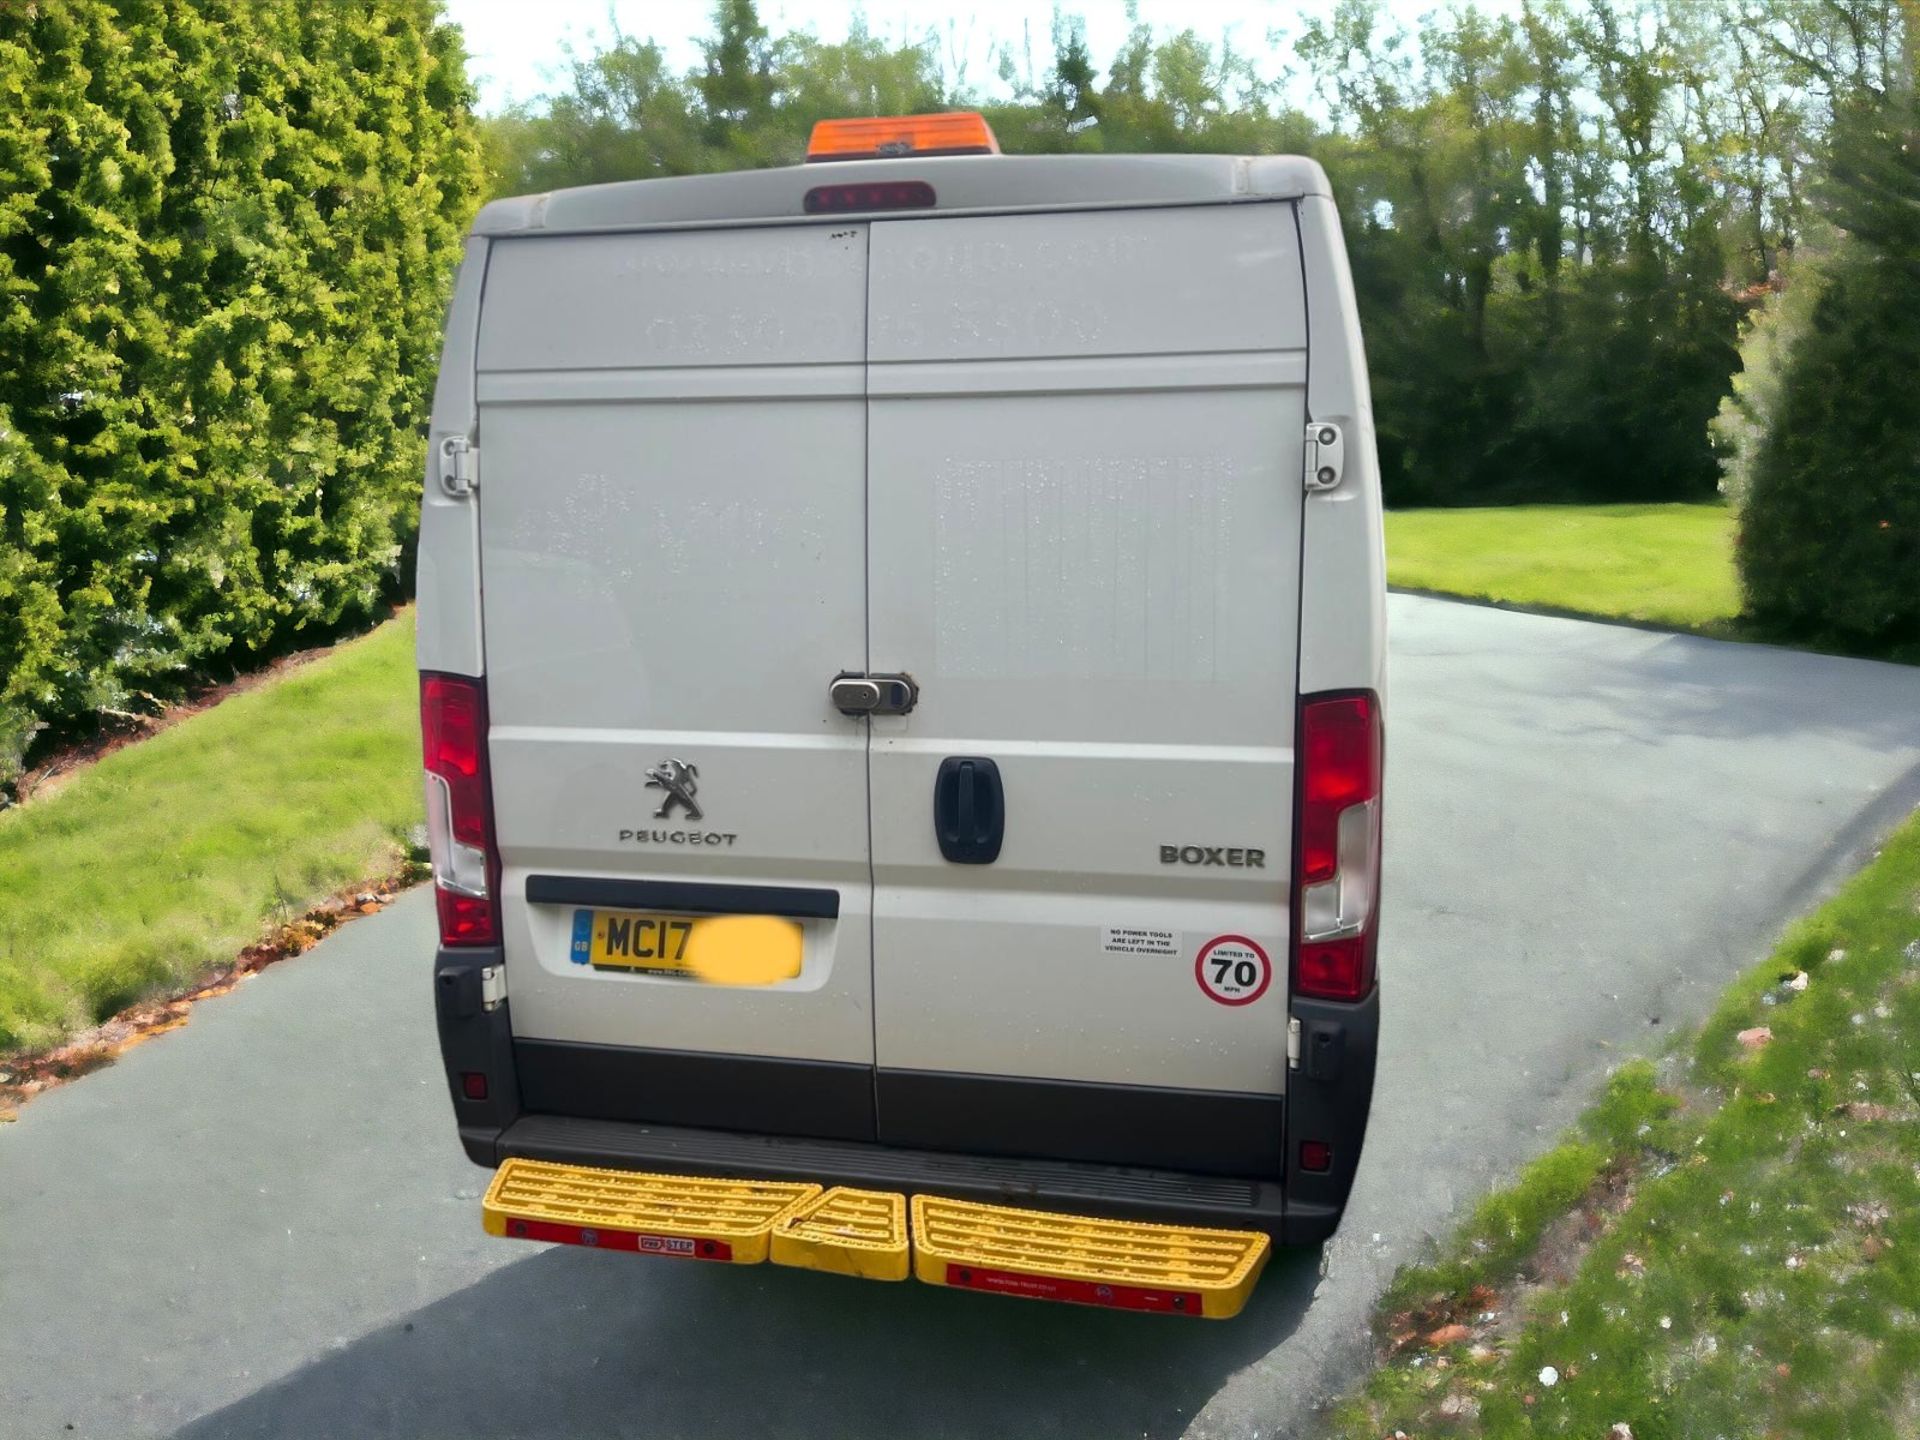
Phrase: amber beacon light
{"type": "Point", "coordinates": [885, 137]}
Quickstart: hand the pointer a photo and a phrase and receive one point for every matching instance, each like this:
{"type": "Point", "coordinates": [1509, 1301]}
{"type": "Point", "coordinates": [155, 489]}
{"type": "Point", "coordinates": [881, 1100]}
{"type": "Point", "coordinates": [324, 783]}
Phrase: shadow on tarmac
{"type": "Point", "coordinates": [577, 1344]}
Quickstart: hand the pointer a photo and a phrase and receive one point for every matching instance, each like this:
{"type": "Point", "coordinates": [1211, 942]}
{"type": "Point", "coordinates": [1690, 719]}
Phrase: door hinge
{"type": "Point", "coordinates": [459, 465]}
{"type": "Point", "coordinates": [1293, 1042]}
{"type": "Point", "coordinates": [1326, 455]}
{"type": "Point", "coordinates": [493, 986]}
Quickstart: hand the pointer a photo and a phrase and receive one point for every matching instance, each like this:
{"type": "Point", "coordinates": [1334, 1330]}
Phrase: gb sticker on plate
{"type": "Point", "coordinates": [1233, 970]}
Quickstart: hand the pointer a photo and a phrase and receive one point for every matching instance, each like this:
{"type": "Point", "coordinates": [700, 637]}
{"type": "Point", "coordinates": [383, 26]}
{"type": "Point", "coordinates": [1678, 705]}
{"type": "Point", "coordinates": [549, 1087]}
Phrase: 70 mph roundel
{"type": "Point", "coordinates": [1233, 970]}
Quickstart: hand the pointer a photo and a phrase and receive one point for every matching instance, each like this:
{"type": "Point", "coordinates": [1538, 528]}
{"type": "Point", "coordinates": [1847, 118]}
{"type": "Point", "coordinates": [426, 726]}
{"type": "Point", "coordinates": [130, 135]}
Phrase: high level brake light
{"type": "Point", "coordinates": [466, 863]}
{"type": "Point", "coordinates": [881, 137]}
{"type": "Point", "coordinates": [1337, 864]}
{"type": "Point", "coordinates": [872, 195]}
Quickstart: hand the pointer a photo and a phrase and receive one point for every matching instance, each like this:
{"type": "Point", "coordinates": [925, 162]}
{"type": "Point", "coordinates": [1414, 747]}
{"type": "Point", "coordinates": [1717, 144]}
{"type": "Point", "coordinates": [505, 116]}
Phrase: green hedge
{"type": "Point", "coordinates": [1829, 541]}
{"type": "Point", "coordinates": [227, 229]}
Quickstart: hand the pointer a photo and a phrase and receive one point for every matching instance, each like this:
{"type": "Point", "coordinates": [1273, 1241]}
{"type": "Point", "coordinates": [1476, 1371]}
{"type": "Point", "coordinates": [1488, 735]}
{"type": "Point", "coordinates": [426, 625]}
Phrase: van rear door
{"type": "Point", "coordinates": [1085, 497]}
{"type": "Point", "coordinates": [673, 440]}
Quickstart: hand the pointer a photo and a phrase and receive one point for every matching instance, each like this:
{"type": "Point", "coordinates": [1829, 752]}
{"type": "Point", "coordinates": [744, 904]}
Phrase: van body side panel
{"type": "Point", "coordinates": [1084, 500]}
{"type": "Point", "coordinates": [447, 581]}
{"type": "Point", "coordinates": [674, 439]}
{"type": "Point", "coordinates": [1342, 647]}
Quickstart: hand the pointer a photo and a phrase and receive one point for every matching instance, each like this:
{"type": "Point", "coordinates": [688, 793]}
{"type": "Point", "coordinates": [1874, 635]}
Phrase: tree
{"type": "Point", "coordinates": [1768, 338]}
{"type": "Point", "coordinates": [1829, 540]}
{"type": "Point", "coordinates": [1071, 88]}
{"type": "Point", "coordinates": [735, 84]}
{"type": "Point", "coordinates": [859, 76]}
{"type": "Point", "coordinates": [1555, 216]}
{"type": "Point", "coordinates": [626, 116]}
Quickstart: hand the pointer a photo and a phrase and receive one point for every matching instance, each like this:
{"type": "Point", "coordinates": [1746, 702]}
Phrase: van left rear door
{"type": "Point", "coordinates": [672, 440]}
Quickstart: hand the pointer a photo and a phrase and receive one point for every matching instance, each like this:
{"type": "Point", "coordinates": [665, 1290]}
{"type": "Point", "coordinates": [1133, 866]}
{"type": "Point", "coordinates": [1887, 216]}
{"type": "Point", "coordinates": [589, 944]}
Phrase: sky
{"type": "Point", "coordinates": [519, 47]}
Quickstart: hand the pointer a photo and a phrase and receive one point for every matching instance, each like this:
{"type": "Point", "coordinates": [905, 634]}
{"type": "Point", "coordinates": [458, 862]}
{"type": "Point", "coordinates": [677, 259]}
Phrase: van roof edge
{"type": "Point", "coordinates": [962, 183]}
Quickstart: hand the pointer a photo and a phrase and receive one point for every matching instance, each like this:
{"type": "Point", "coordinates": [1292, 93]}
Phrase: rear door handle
{"type": "Point", "coordinates": [853, 693]}
{"type": "Point", "coordinates": [969, 809]}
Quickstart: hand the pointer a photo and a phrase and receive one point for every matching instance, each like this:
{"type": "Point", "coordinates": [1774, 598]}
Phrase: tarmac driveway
{"type": "Point", "coordinates": [261, 1225]}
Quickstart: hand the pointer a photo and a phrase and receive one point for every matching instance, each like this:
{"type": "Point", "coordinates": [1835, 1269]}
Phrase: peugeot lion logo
{"type": "Point", "coordinates": [680, 780]}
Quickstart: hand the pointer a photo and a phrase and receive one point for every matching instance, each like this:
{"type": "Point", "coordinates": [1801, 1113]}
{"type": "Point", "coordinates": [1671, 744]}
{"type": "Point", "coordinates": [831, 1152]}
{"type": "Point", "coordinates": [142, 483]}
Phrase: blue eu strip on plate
{"type": "Point", "coordinates": [582, 937]}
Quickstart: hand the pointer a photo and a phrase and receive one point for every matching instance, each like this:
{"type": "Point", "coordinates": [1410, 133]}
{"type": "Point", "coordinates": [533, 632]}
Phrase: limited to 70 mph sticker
{"type": "Point", "coordinates": [1233, 970]}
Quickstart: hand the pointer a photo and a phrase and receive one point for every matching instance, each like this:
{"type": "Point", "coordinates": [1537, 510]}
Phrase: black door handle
{"type": "Point", "coordinates": [969, 809]}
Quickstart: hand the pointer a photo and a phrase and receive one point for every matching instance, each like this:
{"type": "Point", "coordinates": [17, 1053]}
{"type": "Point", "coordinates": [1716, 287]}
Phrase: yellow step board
{"type": "Point", "coordinates": [682, 1215]}
{"type": "Point", "coordinates": [846, 1232]}
{"type": "Point", "coordinates": [1122, 1264]}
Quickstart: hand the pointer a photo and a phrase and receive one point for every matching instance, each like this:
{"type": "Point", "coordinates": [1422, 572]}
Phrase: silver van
{"type": "Point", "coordinates": [902, 648]}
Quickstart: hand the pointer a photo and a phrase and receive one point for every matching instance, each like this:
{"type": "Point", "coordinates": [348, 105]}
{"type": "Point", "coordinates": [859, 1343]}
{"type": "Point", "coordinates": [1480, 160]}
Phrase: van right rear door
{"type": "Point", "coordinates": [1084, 479]}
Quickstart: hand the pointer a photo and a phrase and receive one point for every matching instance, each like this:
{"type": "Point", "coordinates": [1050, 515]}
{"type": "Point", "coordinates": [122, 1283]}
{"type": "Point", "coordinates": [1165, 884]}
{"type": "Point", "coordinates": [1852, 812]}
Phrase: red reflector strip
{"type": "Point", "coordinates": [684, 1246]}
{"type": "Point", "coordinates": [464, 919]}
{"type": "Point", "coordinates": [1074, 1292]}
{"type": "Point", "coordinates": [1335, 969]}
{"type": "Point", "coordinates": [870, 195]}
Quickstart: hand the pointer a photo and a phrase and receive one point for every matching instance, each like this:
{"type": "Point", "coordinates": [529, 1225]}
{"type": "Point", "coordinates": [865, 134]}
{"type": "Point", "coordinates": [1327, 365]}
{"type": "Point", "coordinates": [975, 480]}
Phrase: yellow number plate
{"type": "Point", "coordinates": [719, 949]}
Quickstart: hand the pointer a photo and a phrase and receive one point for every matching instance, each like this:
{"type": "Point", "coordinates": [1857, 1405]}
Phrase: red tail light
{"type": "Point", "coordinates": [1336, 897]}
{"type": "Point", "coordinates": [466, 863]}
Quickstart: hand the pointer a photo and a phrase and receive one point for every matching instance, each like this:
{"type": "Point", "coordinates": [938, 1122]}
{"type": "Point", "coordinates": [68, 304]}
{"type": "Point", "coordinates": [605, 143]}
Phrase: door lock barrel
{"type": "Point", "coordinates": [856, 694]}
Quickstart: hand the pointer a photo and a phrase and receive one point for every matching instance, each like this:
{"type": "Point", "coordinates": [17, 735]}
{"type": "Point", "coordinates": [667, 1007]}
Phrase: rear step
{"type": "Point", "coordinates": [846, 1232]}
{"type": "Point", "coordinates": [1115, 1191]}
{"type": "Point", "coordinates": [1124, 1265]}
{"type": "Point", "coordinates": [1120, 1264]}
{"type": "Point", "coordinates": [726, 1220]}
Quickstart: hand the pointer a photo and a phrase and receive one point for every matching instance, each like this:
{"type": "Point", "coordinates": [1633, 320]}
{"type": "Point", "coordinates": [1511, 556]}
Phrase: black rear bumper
{"type": "Point", "coordinates": [1058, 1184]}
{"type": "Point", "coordinates": [1328, 1100]}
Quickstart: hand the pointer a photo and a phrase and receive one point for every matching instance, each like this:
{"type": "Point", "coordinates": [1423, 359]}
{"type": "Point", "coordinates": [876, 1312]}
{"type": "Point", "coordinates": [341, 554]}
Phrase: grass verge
{"type": "Point", "coordinates": [1728, 1245]}
{"type": "Point", "coordinates": [162, 861]}
{"type": "Point", "coordinates": [1660, 564]}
